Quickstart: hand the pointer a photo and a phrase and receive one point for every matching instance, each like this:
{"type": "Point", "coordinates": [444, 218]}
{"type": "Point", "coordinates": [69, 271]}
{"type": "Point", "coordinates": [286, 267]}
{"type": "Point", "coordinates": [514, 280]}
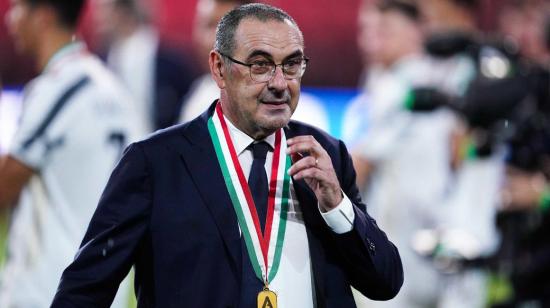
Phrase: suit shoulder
{"type": "Point", "coordinates": [297, 128]}
{"type": "Point", "coordinates": [163, 137]}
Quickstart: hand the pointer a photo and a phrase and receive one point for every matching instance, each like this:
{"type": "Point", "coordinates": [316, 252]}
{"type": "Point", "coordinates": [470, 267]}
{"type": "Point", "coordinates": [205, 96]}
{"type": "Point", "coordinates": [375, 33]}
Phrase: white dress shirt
{"type": "Point", "coordinates": [293, 282]}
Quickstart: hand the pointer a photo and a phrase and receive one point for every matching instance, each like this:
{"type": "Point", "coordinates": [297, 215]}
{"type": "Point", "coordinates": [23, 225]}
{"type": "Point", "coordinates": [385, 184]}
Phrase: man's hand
{"type": "Point", "coordinates": [313, 164]}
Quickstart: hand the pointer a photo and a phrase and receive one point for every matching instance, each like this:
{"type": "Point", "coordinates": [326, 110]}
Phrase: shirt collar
{"type": "Point", "coordinates": [241, 140]}
{"type": "Point", "coordinates": [72, 48]}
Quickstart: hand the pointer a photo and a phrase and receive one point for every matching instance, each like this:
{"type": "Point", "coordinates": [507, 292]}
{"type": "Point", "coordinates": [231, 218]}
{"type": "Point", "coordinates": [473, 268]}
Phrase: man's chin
{"type": "Point", "coordinates": [274, 123]}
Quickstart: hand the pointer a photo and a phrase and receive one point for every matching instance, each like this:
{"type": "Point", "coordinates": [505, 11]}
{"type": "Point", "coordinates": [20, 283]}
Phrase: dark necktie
{"type": "Point", "coordinates": [257, 180]}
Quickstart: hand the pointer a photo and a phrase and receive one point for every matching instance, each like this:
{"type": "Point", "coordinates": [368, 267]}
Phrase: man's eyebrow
{"type": "Point", "coordinates": [259, 52]}
{"type": "Point", "coordinates": [297, 53]}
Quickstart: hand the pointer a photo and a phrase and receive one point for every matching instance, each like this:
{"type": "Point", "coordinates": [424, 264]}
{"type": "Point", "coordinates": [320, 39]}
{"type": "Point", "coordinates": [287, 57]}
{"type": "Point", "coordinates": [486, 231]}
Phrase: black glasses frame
{"type": "Point", "coordinates": [272, 73]}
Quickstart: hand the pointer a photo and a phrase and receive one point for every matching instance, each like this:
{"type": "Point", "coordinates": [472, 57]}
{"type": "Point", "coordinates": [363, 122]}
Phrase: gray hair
{"type": "Point", "coordinates": [227, 26]}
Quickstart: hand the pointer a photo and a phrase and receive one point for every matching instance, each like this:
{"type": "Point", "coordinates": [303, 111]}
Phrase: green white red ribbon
{"type": "Point", "coordinates": [265, 254]}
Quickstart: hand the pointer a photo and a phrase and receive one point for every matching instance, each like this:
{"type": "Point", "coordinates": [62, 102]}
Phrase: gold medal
{"type": "Point", "coordinates": [267, 298]}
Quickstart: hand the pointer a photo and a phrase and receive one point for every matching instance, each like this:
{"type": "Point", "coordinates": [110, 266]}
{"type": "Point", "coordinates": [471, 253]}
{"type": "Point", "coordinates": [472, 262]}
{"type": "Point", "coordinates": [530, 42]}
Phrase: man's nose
{"type": "Point", "coordinates": [278, 81]}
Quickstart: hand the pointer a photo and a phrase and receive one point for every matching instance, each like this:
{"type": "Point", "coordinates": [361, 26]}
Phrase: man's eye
{"type": "Point", "coordinates": [261, 64]}
{"type": "Point", "coordinates": [293, 62]}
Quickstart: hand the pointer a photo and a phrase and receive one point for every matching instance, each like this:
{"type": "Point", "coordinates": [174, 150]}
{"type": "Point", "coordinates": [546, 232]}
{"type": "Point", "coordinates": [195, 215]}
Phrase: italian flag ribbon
{"type": "Point", "coordinates": [265, 254]}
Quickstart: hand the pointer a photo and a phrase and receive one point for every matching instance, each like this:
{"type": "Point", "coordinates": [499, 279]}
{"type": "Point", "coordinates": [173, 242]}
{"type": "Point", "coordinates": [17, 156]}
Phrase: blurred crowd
{"type": "Point", "coordinates": [451, 143]}
{"type": "Point", "coordinates": [450, 137]}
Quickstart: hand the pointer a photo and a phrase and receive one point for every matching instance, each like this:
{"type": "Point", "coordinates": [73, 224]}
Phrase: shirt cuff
{"type": "Point", "coordinates": [340, 219]}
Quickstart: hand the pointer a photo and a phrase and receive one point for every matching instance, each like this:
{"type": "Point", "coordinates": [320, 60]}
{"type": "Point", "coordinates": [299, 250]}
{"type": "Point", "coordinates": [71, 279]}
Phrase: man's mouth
{"type": "Point", "coordinates": [276, 103]}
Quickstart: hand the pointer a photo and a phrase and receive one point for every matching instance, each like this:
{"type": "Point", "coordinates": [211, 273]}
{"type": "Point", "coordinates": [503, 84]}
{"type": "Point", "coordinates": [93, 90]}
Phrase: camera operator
{"type": "Point", "coordinates": [506, 105]}
{"type": "Point", "coordinates": [465, 228]}
{"type": "Point", "coordinates": [394, 145]}
{"type": "Point", "coordinates": [414, 181]}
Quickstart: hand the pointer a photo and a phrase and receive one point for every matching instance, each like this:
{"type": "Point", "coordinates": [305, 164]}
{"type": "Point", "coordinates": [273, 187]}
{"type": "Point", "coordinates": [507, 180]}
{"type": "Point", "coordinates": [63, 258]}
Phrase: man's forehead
{"type": "Point", "coordinates": [271, 36]}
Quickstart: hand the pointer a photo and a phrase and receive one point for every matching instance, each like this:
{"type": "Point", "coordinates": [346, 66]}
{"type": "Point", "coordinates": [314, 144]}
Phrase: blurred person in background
{"type": "Point", "coordinates": [368, 39]}
{"type": "Point", "coordinates": [426, 192]}
{"type": "Point", "coordinates": [368, 42]}
{"type": "Point", "coordinates": [525, 24]}
{"type": "Point", "coordinates": [466, 233]}
{"type": "Point", "coordinates": [157, 76]}
{"type": "Point", "coordinates": [75, 123]}
{"type": "Point", "coordinates": [466, 229]}
{"type": "Point", "coordinates": [405, 155]}
{"type": "Point", "coordinates": [525, 213]}
{"type": "Point", "coordinates": [204, 90]}
{"type": "Point", "coordinates": [450, 16]}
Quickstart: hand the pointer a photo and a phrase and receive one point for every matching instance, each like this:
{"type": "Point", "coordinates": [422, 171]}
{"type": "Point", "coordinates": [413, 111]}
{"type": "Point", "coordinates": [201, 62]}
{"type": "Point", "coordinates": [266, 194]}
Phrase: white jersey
{"type": "Point", "coordinates": [76, 121]}
{"type": "Point", "coordinates": [413, 187]}
{"type": "Point", "coordinates": [411, 155]}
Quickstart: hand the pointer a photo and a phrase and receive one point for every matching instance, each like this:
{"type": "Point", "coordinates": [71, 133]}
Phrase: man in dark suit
{"type": "Point", "coordinates": [180, 209]}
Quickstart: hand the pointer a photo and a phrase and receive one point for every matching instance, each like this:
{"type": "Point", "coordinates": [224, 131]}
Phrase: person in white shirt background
{"type": "Point", "coordinates": [392, 150]}
{"type": "Point", "coordinates": [406, 162]}
{"type": "Point", "coordinates": [75, 122]}
{"type": "Point", "coordinates": [157, 73]}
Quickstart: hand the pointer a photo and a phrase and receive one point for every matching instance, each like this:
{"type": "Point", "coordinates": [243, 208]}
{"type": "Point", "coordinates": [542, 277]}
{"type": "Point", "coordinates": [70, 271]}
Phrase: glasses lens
{"type": "Point", "coordinates": [262, 71]}
{"type": "Point", "coordinates": [260, 68]}
{"type": "Point", "coordinates": [293, 68]}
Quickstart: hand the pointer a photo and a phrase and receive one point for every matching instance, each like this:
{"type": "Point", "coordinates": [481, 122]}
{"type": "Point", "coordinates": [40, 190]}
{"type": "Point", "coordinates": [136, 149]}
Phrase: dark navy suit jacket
{"type": "Point", "coordinates": [166, 211]}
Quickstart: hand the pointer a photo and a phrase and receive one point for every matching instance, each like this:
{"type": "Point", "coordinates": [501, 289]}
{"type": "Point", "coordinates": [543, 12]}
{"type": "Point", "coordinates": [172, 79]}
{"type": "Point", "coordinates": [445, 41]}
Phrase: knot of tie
{"type": "Point", "coordinates": [259, 149]}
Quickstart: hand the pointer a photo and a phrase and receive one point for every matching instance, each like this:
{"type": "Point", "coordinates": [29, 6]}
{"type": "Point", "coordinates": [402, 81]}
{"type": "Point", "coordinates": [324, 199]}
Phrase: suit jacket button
{"type": "Point", "coordinates": [372, 247]}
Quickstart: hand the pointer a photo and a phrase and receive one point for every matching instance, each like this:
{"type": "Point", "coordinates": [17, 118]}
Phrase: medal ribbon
{"type": "Point", "coordinates": [260, 248]}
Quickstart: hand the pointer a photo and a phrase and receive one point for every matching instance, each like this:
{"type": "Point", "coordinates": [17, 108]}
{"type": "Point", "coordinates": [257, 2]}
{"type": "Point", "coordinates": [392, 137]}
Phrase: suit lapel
{"type": "Point", "coordinates": [203, 166]}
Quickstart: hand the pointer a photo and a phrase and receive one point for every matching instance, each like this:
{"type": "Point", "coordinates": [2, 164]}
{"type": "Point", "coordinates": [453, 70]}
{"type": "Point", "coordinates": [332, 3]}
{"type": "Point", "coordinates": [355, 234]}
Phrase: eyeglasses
{"type": "Point", "coordinates": [264, 70]}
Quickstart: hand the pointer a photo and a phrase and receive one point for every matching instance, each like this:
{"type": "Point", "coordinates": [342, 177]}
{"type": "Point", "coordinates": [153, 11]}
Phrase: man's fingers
{"type": "Point", "coordinates": [298, 139]}
{"type": "Point", "coordinates": [309, 173]}
{"type": "Point", "coordinates": [305, 163]}
{"type": "Point", "coordinates": [316, 168]}
{"type": "Point", "coordinates": [304, 144]}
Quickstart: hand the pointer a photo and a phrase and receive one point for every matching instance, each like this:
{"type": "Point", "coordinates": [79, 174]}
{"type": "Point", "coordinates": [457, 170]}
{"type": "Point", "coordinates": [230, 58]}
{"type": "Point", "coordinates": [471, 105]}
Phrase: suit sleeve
{"type": "Point", "coordinates": [371, 261]}
{"type": "Point", "coordinates": [115, 231]}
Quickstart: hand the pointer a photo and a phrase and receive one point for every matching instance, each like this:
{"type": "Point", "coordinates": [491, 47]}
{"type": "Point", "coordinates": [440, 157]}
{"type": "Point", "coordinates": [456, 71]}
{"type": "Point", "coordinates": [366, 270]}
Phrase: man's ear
{"type": "Point", "coordinates": [217, 69]}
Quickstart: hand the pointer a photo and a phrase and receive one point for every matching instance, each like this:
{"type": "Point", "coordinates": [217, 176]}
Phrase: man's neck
{"type": "Point", "coordinates": [52, 42]}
